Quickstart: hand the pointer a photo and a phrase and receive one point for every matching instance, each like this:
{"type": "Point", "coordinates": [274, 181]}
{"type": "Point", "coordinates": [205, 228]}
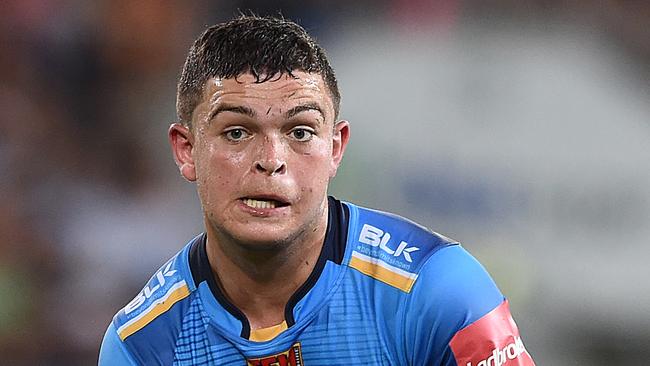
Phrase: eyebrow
{"type": "Point", "coordinates": [232, 108]}
{"type": "Point", "coordinates": [251, 113]}
{"type": "Point", "coordinates": [303, 108]}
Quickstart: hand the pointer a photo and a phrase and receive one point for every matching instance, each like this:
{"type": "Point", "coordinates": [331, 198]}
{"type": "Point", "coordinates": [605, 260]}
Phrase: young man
{"type": "Point", "coordinates": [284, 274]}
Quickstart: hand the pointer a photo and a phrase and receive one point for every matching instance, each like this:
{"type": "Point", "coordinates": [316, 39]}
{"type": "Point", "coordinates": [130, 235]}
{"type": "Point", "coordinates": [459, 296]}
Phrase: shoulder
{"type": "Point", "coordinates": [390, 248]}
{"type": "Point", "coordinates": [113, 351]}
{"type": "Point", "coordinates": [170, 283]}
{"type": "Point", "coordinates": [439, 288]}
{"type": "Point", "coordinates": [153, 318]}
{"type": "Point", "coordinates": [458, 282]}
{"type": "Point", "coordinates": [435, 271]}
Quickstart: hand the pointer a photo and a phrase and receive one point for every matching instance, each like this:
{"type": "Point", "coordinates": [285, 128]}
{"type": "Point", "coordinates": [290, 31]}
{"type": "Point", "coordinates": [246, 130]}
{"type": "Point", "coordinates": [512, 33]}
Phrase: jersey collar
{"type": "Point", "coordinates": [333, 250]}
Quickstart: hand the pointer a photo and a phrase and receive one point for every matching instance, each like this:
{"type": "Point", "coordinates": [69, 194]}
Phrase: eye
{"type": "Point", "coordinates": [301, 134]}
{"type": "Point", "coordinates": [236, 134]}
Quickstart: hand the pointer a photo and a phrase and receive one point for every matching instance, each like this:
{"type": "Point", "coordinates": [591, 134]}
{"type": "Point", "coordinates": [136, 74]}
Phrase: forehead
{"type": "Point", "coordinates": [283, 90]}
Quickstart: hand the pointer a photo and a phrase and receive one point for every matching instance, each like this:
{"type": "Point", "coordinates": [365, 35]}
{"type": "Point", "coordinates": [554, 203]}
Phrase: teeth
{"type": "Point", "coordinates": [259, 204]}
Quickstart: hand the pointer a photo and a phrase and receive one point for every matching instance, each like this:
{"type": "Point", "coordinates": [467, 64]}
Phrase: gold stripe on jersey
{"type": "Point", "coordinates": [155, 310]}
{"type": "Point", "coordinates": [266, 334]}
{"type": "Point", "coordinates": [383, 271]}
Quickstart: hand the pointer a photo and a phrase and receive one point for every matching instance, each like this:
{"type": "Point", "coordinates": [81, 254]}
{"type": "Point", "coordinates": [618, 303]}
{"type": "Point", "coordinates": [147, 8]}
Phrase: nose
{"type": "Point", "coordinates": [271, 167]}
{"type": "Point", "coordinates": [271, 159]}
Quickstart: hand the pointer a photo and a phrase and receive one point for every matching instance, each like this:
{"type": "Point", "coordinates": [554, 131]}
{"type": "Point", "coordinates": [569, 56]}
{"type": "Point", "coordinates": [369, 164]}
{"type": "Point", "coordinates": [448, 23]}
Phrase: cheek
{"type": "Point", "coordinates": [315, 167]}
{"type": "Point", "coordinates": [219, 173]}
{"type": "Point", "coordinates": [231, 159]}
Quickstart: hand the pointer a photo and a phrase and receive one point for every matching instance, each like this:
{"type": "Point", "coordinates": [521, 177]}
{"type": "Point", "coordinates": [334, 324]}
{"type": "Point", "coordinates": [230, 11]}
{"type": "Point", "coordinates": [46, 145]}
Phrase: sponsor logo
{"type": "Point", "coordinates": [500, 356]}
{"type": "Point", "coordinates": [376, 237]}
{"type": "Point", "coordinates": [146, 293]}
{"type": "Point", "coordinates": [290, 357]}
{"type": "Point", "coordinates": [492, 340]}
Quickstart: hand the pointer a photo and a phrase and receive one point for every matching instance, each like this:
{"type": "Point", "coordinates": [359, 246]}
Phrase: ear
{"type": "Point", "coordinates": [182, 143]}
{"type": "Point", "coordinates": [340, 140]}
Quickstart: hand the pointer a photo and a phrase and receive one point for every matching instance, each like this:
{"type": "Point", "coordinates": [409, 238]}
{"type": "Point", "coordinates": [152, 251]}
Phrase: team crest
{"type": "Point", "coordinates": [290, 357]}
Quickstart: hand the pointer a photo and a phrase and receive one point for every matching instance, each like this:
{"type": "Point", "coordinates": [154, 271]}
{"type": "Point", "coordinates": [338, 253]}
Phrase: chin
{"type": "Point", "coordinates": [264, 246]}
{"type": "Point", "coordinates": [262, 237]}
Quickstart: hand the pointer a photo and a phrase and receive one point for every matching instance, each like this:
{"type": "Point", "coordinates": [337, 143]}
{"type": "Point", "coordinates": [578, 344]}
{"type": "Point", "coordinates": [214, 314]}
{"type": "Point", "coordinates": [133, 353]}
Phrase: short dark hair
{"type": "Point", "coordinates": [266, 47]}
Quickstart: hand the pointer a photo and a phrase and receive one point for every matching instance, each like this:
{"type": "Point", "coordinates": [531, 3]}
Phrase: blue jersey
{"type": "Point", "coordinates": [385, 291]}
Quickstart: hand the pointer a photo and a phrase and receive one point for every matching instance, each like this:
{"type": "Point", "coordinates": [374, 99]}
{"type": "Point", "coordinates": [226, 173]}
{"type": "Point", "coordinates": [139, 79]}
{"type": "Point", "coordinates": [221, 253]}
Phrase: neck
{"type": "Point", "coordinates": [261, 282]}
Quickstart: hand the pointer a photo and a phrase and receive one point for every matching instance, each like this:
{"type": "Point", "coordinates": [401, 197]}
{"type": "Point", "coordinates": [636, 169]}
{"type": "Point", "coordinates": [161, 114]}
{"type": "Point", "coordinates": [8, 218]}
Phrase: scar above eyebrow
{"type": "Point", "coordinates": [303, 108]}
{"type": "Point", "coordinates": [232, 108]}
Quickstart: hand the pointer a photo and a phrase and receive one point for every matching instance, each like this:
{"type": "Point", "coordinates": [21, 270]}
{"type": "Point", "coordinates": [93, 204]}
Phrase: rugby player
{"type": "Point", "coordinates": [284, 274]}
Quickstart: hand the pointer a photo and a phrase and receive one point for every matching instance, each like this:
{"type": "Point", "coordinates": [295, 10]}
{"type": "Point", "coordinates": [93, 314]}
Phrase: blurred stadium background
{"type": "Point", "coordinates": [520, 127]}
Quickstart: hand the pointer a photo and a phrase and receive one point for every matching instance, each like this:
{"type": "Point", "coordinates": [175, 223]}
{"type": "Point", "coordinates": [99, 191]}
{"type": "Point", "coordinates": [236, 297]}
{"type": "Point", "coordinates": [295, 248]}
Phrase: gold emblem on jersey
{"type": "Point", "coordinates": [290, 357]}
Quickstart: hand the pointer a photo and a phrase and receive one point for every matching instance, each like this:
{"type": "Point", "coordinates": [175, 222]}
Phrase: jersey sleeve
{"type": "Point", "coordinates": [493, 339]}
{"type": "Point", "coordinates": [113, 352]}
{"type": "Point", "coordinates": [458, 317]}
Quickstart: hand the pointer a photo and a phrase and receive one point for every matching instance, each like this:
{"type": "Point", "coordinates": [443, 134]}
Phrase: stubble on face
{"type": "Point", "coordinates": [228, 171]}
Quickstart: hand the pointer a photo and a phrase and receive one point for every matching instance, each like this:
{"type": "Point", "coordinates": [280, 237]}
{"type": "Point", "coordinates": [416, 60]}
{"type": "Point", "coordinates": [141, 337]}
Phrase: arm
{"type": "Point", "coordinates": [113, 352]}
{"type": "Point", "coordinates": [458, 316]}
{"type": "Point", "coordinates": [494, 338]}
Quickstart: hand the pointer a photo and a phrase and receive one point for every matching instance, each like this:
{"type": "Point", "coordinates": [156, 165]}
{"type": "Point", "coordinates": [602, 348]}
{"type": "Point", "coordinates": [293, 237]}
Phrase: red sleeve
{"type": "Point", "coordinates": [493, 340]}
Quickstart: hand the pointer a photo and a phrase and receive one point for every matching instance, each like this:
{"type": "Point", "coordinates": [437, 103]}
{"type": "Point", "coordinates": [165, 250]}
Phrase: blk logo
{"type": "Point", "coordinates": [378, 238]}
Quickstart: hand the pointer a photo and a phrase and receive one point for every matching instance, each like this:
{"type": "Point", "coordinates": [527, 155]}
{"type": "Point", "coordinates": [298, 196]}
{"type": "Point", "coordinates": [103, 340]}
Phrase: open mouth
{"type": "Point", "coordinates": [263, 203]}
